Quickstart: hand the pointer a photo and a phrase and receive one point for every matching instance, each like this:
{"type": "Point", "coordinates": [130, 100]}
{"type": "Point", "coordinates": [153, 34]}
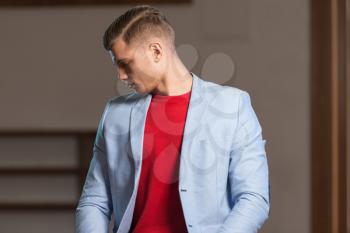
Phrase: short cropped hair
{"type": "Point", "coordinates": [137, 24]}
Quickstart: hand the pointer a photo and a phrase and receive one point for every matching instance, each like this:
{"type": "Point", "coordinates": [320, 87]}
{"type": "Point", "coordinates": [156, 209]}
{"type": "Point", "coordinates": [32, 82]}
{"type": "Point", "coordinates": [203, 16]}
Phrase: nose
{"type": "Point", "coordinates": [122, 75]}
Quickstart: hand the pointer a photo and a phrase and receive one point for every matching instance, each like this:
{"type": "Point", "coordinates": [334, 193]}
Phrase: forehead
{"type": "Point", "coordinates": [121, 50]}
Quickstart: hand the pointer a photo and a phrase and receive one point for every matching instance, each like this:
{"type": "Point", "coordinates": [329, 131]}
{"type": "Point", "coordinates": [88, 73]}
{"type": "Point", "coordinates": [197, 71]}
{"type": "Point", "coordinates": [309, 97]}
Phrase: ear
{"type": "Point", "coordinates": [156, 50]}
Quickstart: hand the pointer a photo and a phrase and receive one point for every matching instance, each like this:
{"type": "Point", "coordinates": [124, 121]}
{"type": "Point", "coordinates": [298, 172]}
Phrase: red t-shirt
{"type": "Point", "coordinates": [158, 208]}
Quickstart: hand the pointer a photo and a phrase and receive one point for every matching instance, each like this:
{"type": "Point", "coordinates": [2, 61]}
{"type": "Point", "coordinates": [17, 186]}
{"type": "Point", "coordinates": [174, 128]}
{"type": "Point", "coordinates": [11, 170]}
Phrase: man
{"type": "Point", "coordinates": [180, 154]}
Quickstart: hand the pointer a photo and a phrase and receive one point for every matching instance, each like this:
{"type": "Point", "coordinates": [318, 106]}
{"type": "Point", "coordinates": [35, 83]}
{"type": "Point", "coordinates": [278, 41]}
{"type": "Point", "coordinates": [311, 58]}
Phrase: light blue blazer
{"type": "Point", "coordinates": [223, 177]}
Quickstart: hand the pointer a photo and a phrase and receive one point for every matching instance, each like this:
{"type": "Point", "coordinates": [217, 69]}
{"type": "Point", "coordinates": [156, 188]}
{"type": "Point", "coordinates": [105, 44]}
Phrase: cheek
{"type": "Point", "coordinates": [145, 70]}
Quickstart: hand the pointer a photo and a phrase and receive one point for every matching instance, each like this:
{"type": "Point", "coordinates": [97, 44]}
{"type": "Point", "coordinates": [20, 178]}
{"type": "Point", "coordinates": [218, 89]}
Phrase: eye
{"type": "Point", "coordinates": [123, 65]}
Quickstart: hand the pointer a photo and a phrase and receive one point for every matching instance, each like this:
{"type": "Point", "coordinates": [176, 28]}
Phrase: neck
{"type": "Point", "coordinates": [177, 80]}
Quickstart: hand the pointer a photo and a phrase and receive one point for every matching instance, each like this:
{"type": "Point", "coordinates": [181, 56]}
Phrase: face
{"type": "Point", "coordinates": [139, 65]}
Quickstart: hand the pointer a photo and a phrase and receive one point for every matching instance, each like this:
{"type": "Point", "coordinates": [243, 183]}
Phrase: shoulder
{"type": "Point", "coordinates": [122, 102]}
{"type": "Point", "coordinates": [218, 94]}
{"type": "Point", "coordinates": [124, 99]}
{"type": "Point", "coordinates": [117, 105]}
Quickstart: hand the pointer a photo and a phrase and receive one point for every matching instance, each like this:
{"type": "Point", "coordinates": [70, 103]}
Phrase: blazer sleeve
{"type": "Point", "coordinates": [248, 174]}
{"type": "Point", "coordinates": [94, 209]}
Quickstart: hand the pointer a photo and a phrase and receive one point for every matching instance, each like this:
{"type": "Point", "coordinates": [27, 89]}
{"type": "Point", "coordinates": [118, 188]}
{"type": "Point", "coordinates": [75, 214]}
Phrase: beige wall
{"type": "Point", "coordinates": [54, 74]}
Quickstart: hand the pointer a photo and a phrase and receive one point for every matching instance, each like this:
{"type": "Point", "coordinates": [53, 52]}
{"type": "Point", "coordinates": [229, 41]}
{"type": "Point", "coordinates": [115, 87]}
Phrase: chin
{"type": "Point", "coordinates": [141, 91]}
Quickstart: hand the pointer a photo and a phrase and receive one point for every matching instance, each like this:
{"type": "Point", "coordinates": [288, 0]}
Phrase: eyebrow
{"type": "Point", "coordinates": [115, 60]}
{"type": "Point", "coordinates": [123, 60]}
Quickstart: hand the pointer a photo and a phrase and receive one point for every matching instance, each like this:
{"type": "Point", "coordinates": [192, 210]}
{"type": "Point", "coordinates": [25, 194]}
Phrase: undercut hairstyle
{"type": "Point", "coordinates": [137, 24]}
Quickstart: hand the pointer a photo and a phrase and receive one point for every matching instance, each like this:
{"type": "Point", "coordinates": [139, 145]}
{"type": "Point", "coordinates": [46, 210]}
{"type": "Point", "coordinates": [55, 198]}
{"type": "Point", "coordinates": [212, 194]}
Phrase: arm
{"type": "Point", "coordinates": [248, 174]}
{"type": "Point", "coordinates": [94, 209]}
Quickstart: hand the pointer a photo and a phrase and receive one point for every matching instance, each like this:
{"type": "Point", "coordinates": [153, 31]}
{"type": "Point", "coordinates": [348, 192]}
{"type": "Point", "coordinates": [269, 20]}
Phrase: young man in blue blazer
{"type": "Point", "coordinates": [179, 154]}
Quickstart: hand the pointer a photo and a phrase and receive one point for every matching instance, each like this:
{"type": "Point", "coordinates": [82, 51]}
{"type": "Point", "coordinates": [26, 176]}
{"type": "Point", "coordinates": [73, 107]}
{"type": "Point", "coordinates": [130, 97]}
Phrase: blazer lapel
{"type": "Point", "coordinates": [137, 126]}
{"type": "Point", "coordinates": [194, 121]}
{"type": "Point", "coordinates": [137, 123]}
